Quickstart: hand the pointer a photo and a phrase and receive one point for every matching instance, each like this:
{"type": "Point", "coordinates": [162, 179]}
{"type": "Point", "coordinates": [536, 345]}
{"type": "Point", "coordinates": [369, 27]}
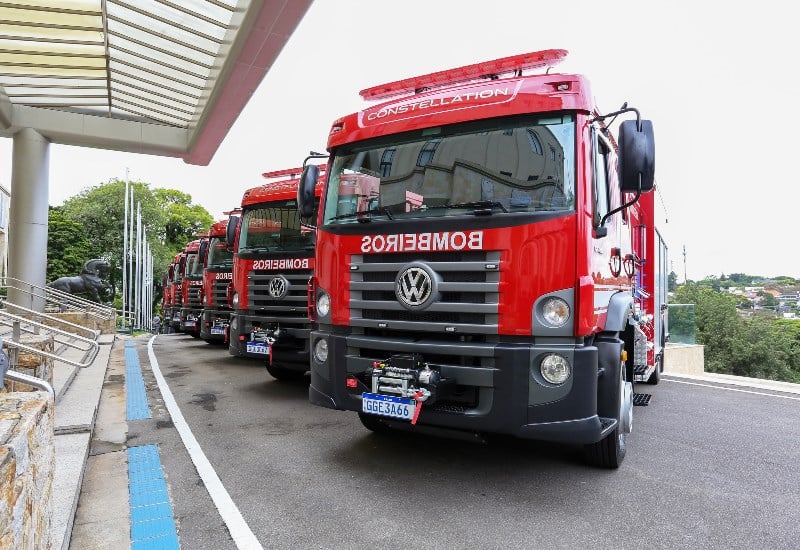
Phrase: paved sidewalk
{"type": "Point", "coordinates": [80, 414]}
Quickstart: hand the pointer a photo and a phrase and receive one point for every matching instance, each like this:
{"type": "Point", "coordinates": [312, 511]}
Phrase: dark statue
{"type": "Point", "coordinates": [90, 281]}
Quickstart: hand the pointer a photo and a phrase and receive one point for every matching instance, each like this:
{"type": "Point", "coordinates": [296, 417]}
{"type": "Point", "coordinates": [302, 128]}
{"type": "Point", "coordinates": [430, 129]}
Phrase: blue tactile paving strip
{"type": "Point", "coordinates": [152, 522]}
{"type": "Point", "coordinates": [134, 385]}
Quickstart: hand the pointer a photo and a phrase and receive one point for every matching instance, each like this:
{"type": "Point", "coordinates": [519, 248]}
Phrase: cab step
{"type": "Point", "coordinates": [641, 399]}
{"type": "Point", "coordinates": [641, 373]}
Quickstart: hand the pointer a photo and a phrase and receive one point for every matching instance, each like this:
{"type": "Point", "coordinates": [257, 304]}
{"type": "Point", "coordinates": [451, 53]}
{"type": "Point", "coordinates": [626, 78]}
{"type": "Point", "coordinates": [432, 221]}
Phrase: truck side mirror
{"type": "Point", "coordinates": [182, 264]}
{"type": "Point", "coordinates": [230, 231]}
{"type": "Point", "coordinates": [203, 250]}
{"type": "Point", "coordinates": [637, 156]}
{"type": "Point", "coordinates": [305, 190]}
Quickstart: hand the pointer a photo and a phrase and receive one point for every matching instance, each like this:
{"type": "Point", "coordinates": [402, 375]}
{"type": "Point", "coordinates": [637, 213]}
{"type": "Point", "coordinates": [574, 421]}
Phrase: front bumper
{"type": "Point", "coordinates": [508, 397]}
{"type": "Point", "coordinates": [290, 350]}
{"type": "Point", "coordinates": [214, 324]}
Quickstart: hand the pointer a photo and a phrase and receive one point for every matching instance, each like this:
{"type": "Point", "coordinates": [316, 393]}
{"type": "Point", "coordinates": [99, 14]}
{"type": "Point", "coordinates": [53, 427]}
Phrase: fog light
{"type": "Point", "coordinates": [321, 350]}
{"type": "Point", "coordinates": [555, 369]}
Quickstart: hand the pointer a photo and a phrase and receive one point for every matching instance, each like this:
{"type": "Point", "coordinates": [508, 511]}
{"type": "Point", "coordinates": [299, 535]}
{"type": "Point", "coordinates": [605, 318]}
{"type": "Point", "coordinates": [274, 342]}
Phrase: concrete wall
{"type": "Point", "coordinates": [684, 359]}
{"type": "Point", "coordinates": [27, 465]}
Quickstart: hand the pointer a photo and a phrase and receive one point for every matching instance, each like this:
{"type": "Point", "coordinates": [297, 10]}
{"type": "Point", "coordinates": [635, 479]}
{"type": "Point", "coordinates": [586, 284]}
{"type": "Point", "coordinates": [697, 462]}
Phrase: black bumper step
{"type": "Point", "coordinates": [639, 369]}
{"type": "Point", "coordinates": [641, 399]}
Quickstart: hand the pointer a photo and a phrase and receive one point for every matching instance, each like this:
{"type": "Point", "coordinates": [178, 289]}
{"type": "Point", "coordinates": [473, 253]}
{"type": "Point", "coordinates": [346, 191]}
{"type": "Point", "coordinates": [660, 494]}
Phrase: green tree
{"type": "Point", "coordinates": [672, 281]}
{"type": "Point", "coordinates": [169, 221]}
{"type": "Point", "coordinates": [67, 245]}
{"type": "Point", "coordinates": [183, 219]}
{"type": "Point", "coordinates": [759, 347]}
{"type": "Point", "coordinates": [719, 325]}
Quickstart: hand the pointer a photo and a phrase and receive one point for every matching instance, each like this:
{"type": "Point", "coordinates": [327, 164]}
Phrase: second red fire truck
{"type": "Point", "coordinates": [273, 260]}
{"type": "Point", "coordinates": [487, 259]}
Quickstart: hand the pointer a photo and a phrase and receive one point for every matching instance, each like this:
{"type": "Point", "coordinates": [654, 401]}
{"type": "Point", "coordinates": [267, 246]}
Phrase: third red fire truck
{"type": "Point", "coordinates": [217, 261]}
{"type": "Point", "coordinates": [487, 259]}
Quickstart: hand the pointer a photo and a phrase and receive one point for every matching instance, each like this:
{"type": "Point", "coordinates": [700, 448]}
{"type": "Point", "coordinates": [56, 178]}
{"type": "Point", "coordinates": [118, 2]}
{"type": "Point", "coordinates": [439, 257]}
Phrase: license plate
{"type": "Point", "coordinates": [189, 323]}
{"type": "Point", "coordinates": [258, 347]}
{"type": "Point", "coordinates": [217, 330]}
{"type": "Point", "coordinates": [401, 408]}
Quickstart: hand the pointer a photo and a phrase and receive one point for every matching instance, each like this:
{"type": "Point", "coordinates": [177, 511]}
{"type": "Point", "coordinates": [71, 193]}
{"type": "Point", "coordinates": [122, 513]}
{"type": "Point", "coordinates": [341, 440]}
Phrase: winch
{"type": "Point", "coordinates": [260, 336]}
{"type": "Point", "coordinates": [408, 376]}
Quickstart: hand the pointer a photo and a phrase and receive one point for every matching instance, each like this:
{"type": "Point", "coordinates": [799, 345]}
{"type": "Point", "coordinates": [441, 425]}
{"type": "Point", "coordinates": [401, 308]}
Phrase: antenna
{"type": "Point", "coordinates": [684, 264]}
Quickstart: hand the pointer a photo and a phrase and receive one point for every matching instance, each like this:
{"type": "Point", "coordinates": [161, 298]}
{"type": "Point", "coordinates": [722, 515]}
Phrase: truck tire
{"type": "Point", "coordinates": [374, 423]}
{"type": "Point", "coordinates": [283, 374]}
{"type": "Point", "coordinates": [655, 376]}
{"type": "Point", "coordinates": [610, 451]}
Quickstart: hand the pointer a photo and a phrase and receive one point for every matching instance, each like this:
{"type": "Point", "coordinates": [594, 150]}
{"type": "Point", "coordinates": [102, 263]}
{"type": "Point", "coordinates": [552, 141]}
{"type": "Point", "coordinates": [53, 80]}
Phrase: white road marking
{"type": "Point", "coordinates": [733, 389]}
{"type": "Point", "coordinates": [241, 533]}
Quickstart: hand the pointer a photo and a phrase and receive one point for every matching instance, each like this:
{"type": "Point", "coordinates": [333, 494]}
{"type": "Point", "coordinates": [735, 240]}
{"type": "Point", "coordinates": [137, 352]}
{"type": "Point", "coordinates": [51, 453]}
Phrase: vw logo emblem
{"type": "Point", "coordinates": [278, 287]}
{"type": "Point", "coordinates": [415, 286]}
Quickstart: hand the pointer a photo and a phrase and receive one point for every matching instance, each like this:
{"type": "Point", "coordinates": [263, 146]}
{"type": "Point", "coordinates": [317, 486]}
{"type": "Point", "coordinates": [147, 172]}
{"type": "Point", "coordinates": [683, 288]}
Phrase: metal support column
{"type": "Point", "coordinates": [28, 211]}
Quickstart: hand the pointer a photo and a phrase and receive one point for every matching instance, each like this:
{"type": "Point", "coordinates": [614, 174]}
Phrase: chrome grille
{"type": "Point", "coordinates": [292, 307]}
{"type": "Point", "coordinates": [468, 300]}
{"type": "Point", "coordinates": [219, 293]}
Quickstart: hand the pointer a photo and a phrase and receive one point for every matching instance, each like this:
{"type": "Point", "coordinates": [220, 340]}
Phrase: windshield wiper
{"type": "Point", "coordinates": [481, 208]}
{"type": "Point", "coordinates": [365, 213]}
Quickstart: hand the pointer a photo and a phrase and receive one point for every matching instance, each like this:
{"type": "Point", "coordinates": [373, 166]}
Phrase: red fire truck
{"type": "Point", "coordinates": [217, 261]}
{"type": "Point", "coordinates": [501, 273]}
{"type": "Point", "coordinates": [273, 260]}
{"type": "Point", "coordinates": [191, 271]}
{"type": "Point", "coordinates": [172, 296]}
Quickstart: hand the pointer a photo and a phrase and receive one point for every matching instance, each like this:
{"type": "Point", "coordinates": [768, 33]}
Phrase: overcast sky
{"type": "Point", "coordinates": [714, 77]}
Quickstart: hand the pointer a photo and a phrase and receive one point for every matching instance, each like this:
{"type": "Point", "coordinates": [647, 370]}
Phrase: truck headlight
{"type": "Point", "coordinates": [555, 312]}
{"type": "Point", "coordinates": [323, 304]}
{"type": "Point", "coordinates": [321, 350]}
{"type": "Point", "coordinates": [235, 299]}
{"type": "Point", "coordinates": [555, 368]}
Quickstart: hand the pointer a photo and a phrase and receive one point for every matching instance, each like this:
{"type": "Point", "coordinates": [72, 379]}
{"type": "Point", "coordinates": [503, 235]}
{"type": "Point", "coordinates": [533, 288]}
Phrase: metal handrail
{"type": "Point", "coordinates": [58, 298]}
{"type": "Point", "coordinates": [90, 333]}
{"type": "Point", "coordinates": [21, 323]}
{"type": "Point", "coordinates": [43, 385]}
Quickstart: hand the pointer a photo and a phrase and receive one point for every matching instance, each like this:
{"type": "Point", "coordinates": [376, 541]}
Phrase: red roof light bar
{"type": "Point", "coordinates": [485, 69]}
{"type": "Point", "coordinates": [291, 172]}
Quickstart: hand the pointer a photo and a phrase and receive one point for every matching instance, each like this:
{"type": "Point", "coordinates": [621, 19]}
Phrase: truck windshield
{"type": "Point", "coordinates": [218, 253]}
{"type": "Point", "coordinates": [193, 266]}
{"type": "Point", "coordinates": [274, 227]}
{"type": "Point", "coordinates": [498, 167]}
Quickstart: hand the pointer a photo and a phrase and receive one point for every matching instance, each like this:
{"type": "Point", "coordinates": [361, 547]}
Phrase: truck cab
{"type": "Point", "coordinates": [272, 263]}
{"type": "Point", "coordinates": [191, 270]}
{"type": "Point", "coordinates": [487, 258]}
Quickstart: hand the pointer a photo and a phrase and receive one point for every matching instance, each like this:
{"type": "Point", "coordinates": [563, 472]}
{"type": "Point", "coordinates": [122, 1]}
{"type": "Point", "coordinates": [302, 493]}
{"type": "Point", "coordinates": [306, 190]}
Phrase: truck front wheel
{"type": "Point", "coordinates": [285, 375]}
{"type": "Point", "coordinates": [374, 423]}
{"type": "Point", "coordinates": [610, 451]}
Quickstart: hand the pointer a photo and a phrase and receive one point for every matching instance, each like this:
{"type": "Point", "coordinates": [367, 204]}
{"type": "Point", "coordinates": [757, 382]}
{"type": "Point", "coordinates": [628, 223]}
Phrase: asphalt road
{"type": "Point", "coordinates": [707, 467]}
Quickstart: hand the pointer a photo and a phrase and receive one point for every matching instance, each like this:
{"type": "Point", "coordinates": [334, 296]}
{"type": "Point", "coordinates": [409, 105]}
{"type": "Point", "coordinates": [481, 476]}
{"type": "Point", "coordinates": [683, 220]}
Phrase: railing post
{"type": "Point", "coordinates": [13, 352]}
